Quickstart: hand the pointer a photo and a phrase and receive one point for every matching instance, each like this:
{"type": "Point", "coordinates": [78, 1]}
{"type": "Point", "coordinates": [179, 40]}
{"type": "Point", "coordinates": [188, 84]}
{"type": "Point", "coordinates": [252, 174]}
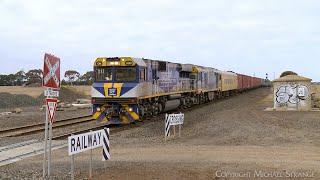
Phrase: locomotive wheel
{"type": "Point", "coordinates": [148, 110]}
{"type": "Point", "coordinates": [155, 109]}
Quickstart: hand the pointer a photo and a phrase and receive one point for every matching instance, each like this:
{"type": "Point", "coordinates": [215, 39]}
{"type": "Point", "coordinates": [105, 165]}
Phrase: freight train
{"type": "Point", "coordinates": [127, 89]}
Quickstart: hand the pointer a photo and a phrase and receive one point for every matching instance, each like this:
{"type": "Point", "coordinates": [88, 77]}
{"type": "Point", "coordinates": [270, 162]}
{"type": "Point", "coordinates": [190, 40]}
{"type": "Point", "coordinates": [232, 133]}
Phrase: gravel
{"type": "Point", "coordinates": [234, 134]}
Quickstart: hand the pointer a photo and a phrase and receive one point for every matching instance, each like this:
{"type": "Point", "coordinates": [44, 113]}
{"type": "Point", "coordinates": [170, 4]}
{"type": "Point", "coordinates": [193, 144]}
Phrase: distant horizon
{"type": "Point", "coordinates": [247, 37]}
{"type": "Point", "coordinates": [82, 72]}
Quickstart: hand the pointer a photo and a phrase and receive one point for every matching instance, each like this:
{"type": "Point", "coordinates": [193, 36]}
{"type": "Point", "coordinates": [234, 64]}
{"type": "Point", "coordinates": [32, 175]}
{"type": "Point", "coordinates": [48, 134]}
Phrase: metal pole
{"type": "Point", "coordinates": [90, 170]}
{"type": "Point", "coordinates": [49, 155]}
{"type": "Point", "coordinates": [179, 130]}
{"type": "Point", "coordinates": [45, 145]}
{"type": "Point", "coordinates": [72, 167]}
{"type": "Point", "coordinates": [174, 131]}
{"type": "Point", "coordinates": [297, 98]}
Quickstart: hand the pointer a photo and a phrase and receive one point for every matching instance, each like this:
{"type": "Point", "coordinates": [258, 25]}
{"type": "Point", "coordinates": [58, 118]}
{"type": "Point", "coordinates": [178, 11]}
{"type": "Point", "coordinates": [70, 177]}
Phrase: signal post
{"type": "Point", "coordinates": [51, 81]}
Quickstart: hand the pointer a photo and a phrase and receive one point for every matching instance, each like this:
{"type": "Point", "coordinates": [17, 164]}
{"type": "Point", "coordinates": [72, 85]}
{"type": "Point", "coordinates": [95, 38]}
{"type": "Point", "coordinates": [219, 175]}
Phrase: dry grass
{"type": "Point", "coordinates": [37, 91]}
{"type": "Point", "coordinates": [30, 91]}
{"type": "Point", "coordinates": [85, 90]}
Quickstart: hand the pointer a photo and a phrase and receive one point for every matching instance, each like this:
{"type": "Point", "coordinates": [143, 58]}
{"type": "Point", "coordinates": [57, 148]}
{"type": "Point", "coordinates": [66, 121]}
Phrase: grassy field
{"type": "Point", "coordinates": [37, 91]}
{"type": "Point", "coordinates": [85, 90]}
{"type": "Point", "coordinates": [18, 96]}
{"type": "Point", "coordinates": [30, 91]}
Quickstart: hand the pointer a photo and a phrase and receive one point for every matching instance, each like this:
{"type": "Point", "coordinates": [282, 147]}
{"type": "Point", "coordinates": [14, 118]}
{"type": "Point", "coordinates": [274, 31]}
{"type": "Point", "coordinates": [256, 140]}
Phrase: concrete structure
{"type": "Point", "coordinates": [292, 92]}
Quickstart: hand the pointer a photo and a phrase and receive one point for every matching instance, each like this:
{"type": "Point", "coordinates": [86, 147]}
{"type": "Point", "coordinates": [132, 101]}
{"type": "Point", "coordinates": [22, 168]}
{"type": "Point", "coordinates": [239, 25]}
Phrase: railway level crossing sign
{"type": "Point", "coordinates": [50, 80]}
{"type": "Point", "coordinates": [51, 71]}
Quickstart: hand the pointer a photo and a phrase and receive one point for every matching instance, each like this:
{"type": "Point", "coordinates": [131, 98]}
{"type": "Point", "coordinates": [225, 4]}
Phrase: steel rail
{"type": "Point", "coordinates": [23, 130]}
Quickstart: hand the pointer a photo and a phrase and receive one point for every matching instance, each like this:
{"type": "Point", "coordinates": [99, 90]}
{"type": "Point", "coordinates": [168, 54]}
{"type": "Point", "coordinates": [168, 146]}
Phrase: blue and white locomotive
{"type": "Point", "coordinates": [127, 89]}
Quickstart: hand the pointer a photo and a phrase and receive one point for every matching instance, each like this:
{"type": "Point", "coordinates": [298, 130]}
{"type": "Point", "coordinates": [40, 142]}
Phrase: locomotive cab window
{"type": "Point", "coordinates": [125, 74]}
{"type": "Point", "coordinates": [162, 66]}
{"type": "Point", "coordinates": [103, 74]}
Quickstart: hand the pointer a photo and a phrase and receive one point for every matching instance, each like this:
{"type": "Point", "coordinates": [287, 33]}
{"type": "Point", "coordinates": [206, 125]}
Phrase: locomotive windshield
{"type": "Point", "coordinates": [104, 74]}
{"type": "Point", "coordinates": [125, 74]}
{"type": "Point", "coordinates": [115, 74]}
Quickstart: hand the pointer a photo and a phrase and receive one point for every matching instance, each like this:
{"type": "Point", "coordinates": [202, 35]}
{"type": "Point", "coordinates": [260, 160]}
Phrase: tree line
{"type": "Point", "coordinates": [33, 77]}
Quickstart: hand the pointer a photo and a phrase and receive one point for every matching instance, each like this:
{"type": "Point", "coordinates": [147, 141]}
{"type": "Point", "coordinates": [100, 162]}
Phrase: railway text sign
{"type": "Point", "coordinates": [51, 93]}
{"type": "Point", "coordinates": [83, 142]}
{"type": "Point", "coordinates": [51, 71]}
{"type": "Point", "coordinates": [175, 119]}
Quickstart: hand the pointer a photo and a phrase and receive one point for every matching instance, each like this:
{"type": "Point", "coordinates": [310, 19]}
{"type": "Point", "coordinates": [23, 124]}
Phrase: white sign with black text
{"type": "Point", "coordinates": [88, 141]}
{"type": "Point", "coordinates": [83, 142]}
{"type": "Point", "coordinates": [176, 119]}
{"type": "Point", "coordinates": [173, 120]}
{"type": "Point", "coordinates": [51, 93]}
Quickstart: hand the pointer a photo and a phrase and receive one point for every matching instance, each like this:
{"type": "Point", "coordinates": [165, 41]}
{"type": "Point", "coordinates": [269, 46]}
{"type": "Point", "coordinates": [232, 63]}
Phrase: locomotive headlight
{"type": "Point", "coordinates": [130, 109]}
{"type": "Point", "coordinates": [98, 109]}
{"type": "Point", "coordinates": [116, 63]}
{"type": "Point", "coordinates": [129, 63]}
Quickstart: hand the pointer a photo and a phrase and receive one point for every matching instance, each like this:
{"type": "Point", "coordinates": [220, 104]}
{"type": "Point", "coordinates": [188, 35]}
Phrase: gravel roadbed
{"type": "Point", "coordinates": [231, 135]}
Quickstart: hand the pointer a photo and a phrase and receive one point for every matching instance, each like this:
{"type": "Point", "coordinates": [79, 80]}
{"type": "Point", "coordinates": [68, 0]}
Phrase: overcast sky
{"type": "Point", "coordinates": [246, 36]}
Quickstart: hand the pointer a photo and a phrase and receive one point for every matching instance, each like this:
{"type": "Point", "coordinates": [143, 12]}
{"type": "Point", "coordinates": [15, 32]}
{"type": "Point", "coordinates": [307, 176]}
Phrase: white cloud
{"type": "Point", "coordinates": [246, 36]}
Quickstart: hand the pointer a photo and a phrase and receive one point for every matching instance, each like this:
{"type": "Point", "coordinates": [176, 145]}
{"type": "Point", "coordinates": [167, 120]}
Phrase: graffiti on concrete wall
{"type": "Point", "coordinates": [291, 94]}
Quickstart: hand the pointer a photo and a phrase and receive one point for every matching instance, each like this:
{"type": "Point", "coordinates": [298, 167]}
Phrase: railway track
{"type": "Point", "coordinates": [29, 129]}
{"type": "Point", "coordinates": [113, 129]}
{"type": "Point", "coordinates": [59, 138]}
{"type": "Point", "coordinates": [65, 135]}
{"type": "Point", "coordinates": [34, 128]}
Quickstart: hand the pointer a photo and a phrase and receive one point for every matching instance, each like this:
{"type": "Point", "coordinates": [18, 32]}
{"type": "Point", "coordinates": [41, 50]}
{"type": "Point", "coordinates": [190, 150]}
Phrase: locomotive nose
{"type": "Point", "coordinates": [113, 89]}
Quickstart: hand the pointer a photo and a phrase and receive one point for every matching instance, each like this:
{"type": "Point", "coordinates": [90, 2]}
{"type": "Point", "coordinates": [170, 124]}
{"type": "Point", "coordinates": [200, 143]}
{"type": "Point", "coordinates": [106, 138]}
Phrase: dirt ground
{"type": "Point", "coordinates": [229, 139]}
